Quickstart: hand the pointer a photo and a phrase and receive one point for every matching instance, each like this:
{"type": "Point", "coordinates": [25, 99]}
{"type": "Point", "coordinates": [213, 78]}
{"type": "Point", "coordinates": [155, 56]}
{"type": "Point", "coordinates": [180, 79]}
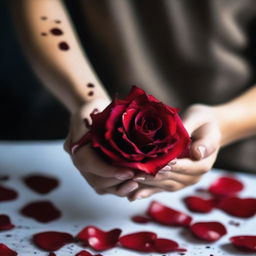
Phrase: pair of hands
{"type": "Point", "coordinates": [202, 125]}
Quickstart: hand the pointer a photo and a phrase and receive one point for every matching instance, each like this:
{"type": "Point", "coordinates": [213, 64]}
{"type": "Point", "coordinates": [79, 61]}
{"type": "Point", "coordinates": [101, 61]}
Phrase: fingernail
{"type": "Point", "coordinates": [130, 188]}
{"type": "Point", "coordinates": [124, 176]}
{"type": "Point", "coordinates": [173, 162]}
{"type": "Point", "coordinates": [165, 169]}
{"type": "Point", "coordinates": [202, 150]}
{"type": "Point", "coordinates": [139, 178]}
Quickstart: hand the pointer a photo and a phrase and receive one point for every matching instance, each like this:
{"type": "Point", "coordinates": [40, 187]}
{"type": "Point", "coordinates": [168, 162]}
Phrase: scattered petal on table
{"type": "Point", "coordinates": [98, 239]}
{"type": "Point", "coordinates": [5, 223]}
{"type": "Point", "coordinates": [52, 240]}
{"type": "Point", "coordinates": [199, 204]}
{"type": "Point", "coordinates": [6, 251]}
{"type": "Point", "coordinates": [83, 253]}
{"type": "Point", "coordinates": [163, 245]}
{"type": "Point", "coordinates": [244, 243]}
{"type": "Point", "coordinates": [7, 194]}
{"type": "Point", "coordinates": [167, 216]}
{"type": "Point", "coordinates": [51, 254]}
{"type": "Point", "coordinates": [209, 231]}
{"type": "Point", "coordinates": [140, 219]}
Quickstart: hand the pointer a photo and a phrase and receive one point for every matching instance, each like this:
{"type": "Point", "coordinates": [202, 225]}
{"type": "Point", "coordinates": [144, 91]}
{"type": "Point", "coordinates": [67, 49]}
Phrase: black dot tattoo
{"type": "Point", "coordinates": [64, 46]}
{"type": "Point", "coordinates": [43, 18]}
{"type": "Point", "coordinates": [57, 21]}
{"type": "Point", "coordinates": [56, 31]}
{"type": "Point", "coordinates": [43, 34]}
{"type": "Point", "coordinates": [90, 93]}
{"type": "Point", "coordinates": [90, 85]}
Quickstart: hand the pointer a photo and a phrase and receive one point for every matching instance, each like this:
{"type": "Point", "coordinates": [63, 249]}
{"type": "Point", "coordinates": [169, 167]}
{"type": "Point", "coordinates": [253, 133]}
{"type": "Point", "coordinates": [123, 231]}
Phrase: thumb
{"type": "Point", "coordinates": [206, 140]}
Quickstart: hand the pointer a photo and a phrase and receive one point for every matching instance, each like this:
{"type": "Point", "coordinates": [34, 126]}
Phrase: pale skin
{"type": "Point", "coordinates": [67, 73]}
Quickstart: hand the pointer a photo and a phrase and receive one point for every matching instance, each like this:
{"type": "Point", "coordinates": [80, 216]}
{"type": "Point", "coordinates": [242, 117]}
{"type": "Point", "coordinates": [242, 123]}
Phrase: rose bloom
{"type": "Point", "coordinates": [139, 132]}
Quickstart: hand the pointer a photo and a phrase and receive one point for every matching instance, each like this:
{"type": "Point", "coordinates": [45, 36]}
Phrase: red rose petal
{"type": "Point", "coordinates": [226, 186]}
{"type": "Point", "coordinates": [51, 254]}
{"type": "Point", "coordinates": [6, 251]}
{"type": "Point", "coordinates": [140, 219]}
{"type": "Point", "coordinates": [7, 194]}
{"type": "Point", "coordinates": [167, 216]}
{"type": "Point", "coordinates": [83, 253]}
{"type": "Point", "coordinates": [163, 245]}
{"type": "Point", "coordinates": [244, 243]}
{"type": "Point", "coordinates": [98, 239]}
{"type": "Point", "coordinates": [198, 204]}
{"type": "Point", "coordinates": [209, 231]}
{"type": "Point", "coordinates": [42, 211]}
{"type": "Point", "coordinates": [140, 241]}
{"type": "Point", "coordinates": [52, 240]}
{"type": "Point", "coordinates": [41, 184]}
{"type": "Point", "coordinates": [5, 223]}
{"type": "Point", "coordinates": [239, 207]}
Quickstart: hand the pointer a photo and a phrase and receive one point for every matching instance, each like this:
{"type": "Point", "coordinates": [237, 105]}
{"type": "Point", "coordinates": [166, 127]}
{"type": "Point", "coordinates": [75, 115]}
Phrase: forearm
{"type": "Point", "coordinates": [54, 51]}
{"type": "Point", "coordinates": [237, 118]}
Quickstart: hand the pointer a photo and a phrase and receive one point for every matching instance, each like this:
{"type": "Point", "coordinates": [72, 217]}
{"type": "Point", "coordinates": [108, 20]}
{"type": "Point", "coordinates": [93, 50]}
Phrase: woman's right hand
{"type": "Point", "coordinates": [103, 177]}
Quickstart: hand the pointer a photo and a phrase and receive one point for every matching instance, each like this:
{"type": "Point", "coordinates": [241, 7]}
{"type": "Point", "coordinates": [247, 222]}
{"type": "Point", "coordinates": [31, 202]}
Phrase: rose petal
{"type": "Point", "coordinates": [198, 204]}
{"type": "Point", "coordinates": [98, 239]}
{"type": "Point", "coordinates": [51, 254]}
{"type": "Point", "coordinates": [239, 207]}
{"type": "Point", "coordinates": [163, 245]}
{"type": "Point", "coordinates": [83, 253]}
{"type": "Point", "coordinates": [140, 219]}
{"type": "Point", "coordinates": [6, 251]}
{"type": "Point", "coordinates": [167, 216]}
{"type": "Point", "coordinates": [140, 241]}
{"type": "Point", "coordinates": [42, 211]}
{"type": "Point", "coordinates": [41, 184]}
{"type": "Point", "coordinates": [226, 186]}
{"type": "Point", "coordinates": [52, 240]}
{"type": "Point", "coordinates": [5, 223]}
{"type": "Point", "coordinates": [7, 194]}
{"type": "Point", "coordinates": [244, 243]}
{"type": "Point", "coordinates": [209, 231]}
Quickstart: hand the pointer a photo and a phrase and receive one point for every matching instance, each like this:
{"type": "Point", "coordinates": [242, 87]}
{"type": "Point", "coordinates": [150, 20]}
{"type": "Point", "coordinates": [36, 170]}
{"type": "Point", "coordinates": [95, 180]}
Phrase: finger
{"type": "Point", "coordinates": [99, 183]}
{"type": "Point", "coordinates": [86, 160]}
{"type": "Point", "coordinates": [123, 190]}
{"type": "Point", "coordinates": [144, 193]}
{"type": "Point", "coordinates": [184, 179]}
{"type": "Point", "coordinates": [206, 140]}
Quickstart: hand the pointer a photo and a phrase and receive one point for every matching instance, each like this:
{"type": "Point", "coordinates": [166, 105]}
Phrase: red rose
{"type": "Point", "coordinates": [138, 132]}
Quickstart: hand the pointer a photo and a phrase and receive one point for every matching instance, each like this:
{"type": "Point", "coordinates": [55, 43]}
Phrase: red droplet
{"type": "Point", "coordinates": [90, 85]}
{"type": "Point", "coordinates": [98, 239]}
{"type": "Point", "coordinates": [163, 245]}
{"type": "Point", "coordinates": [90, 93]}
{"type": "Point", "coordinates": [7, 194]}
{"type": "Point", "coordinates": [6, 251]}
{"type": "Point", "coordinates": [52, 240]}
{"type": "Point", "coordinates": [238, 207]}
{"type": "Point", "coordinates": [198, 204]}
{"type": "Point", "coordinates": [56, 31]}
{"type": "Point", "coordinates": [83, 253]}
{"type": "Point", "coordinates": [244, 243]}
{"type": "Point", "coordinates": [64, 46]}
{"type": "Point", "coordinates": [40, 183]}
{"type": "Point", "coordinates": [140, 241]}
{"type": "Point", "coordinates": [140, 219]}
{"type": "Point", "coordinates": [226, 186]}
{"type": "Point", "coordinates": [5, 223]}
{"type": "Point", "coordinates": [209, 231]}
{"type": "Point", "coordinates": [167, 216]}
{"type": "Point", "coordinates": [42, 211]}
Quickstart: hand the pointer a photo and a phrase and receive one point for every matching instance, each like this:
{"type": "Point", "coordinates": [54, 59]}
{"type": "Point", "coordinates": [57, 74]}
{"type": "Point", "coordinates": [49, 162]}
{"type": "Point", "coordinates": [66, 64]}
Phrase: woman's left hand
{"type": "Point", "coordinates": [202, 125]}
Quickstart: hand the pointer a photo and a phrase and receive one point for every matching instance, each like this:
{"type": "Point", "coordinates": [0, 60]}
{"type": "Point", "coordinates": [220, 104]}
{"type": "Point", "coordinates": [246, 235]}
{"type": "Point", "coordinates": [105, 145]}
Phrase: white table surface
{"type": "Point", "coordinates": [80, 206]}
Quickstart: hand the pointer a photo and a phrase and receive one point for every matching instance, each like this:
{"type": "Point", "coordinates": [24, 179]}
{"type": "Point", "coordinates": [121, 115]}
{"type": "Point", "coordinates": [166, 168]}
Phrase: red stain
{"type": "Point", "coordinates": [42, 211]}
{"type": "Point", "coordinates": [41, 184]}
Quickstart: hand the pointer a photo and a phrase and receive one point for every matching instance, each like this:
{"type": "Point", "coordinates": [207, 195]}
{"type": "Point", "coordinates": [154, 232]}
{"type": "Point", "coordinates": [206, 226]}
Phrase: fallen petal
{"type": "Point", "coordinates": [244, 243]}
{"type": "Point", "coordinates": [98, 239]}
{"type": "Point", "coordinates": [52, 240]}
{"type": "Point", "coordinates": [140, 219]}
{"type": "Point", "coordinates": [226, 186]}
{"type": "Point", "coordinates": [83, 253]}
{"type": "Point", "coordinates": [238, 207]}
{"type": "Point", "coordinates": [140, 241]}
{"type": "Point", "coordinates": [167, 216]}
{"type": "Point", "coordinates": [163, 245]}
{"type": "Point", "coordinates": [7, 194]}
{"type": "Point", "coordinates": [5, 223]}
{"type": "Point", "coordinates": [6, 251]}
{"type": "Point", "coordinates": [199, 204]}
{"type": "Point", "coordinates": [51, 254]}
{"type": "Point", "coordinates": [42, 211]}
{"type": "Point", "coordinates": [209, 231]}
